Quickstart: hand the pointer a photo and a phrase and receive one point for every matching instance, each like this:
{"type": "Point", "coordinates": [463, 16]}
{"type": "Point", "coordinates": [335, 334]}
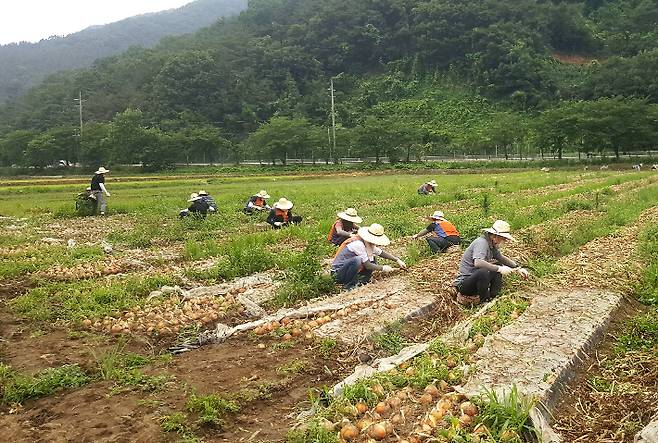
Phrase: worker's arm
{"type": "Point", "coordinates": [340, 231]}
{"type": "Point", "coordinates": [388, 256]}
{"type": "Point", "coordinates": [102, 186]}
{"type": "Point", "coordinates": [422, 233]}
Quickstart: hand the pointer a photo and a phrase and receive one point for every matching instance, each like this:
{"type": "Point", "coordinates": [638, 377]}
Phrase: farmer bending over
{"type": "Point", "coordinates": [212, 206]}
{"type": "Point", "coordinates": [443, 234]}
{"type": "Point", "coordinates": [98, 189]}
{"type": "Point", "coordinates": [257, 202]}
{"type": "Point", "coordinates": [482, 266]}
{"type": "Point", "coordinates": [427, 188]}
{"type": "Point", "coordinates": [198, 208]}
{"type": "Point", "coordinates": [355, 260]}
{"type": "Point", "coordinates": [344, 227]}
{"type": "Point", "coordinates": [281, 214]}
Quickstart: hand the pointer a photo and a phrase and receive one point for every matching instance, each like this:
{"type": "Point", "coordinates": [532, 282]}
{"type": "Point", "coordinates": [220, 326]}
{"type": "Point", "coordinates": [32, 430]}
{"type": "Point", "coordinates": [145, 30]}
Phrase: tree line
{"type": "Point", "coordinates": [412, 77]}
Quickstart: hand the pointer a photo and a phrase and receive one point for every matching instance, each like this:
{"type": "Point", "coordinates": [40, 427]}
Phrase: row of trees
{"type": "Point", "coordinates": [602, 127]}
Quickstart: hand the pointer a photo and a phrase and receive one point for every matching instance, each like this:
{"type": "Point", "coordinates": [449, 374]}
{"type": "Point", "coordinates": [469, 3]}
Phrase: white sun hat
{"type": "Point", "coordinates": [194, 197]}
{"type": "Point", "coordinates": [350, 214]}
{"type": "Point", "coordinates": [203, 192]}
{"type": "Point", "coordinates": [262, 194]}
{"type": "Point", "coordinates": [374, 234]}
{"type": "Point", "coordinates": [500, 228]}
{"type": "Point", "coordinates": [283, 204]}
{"type": "Point", "coordinates": [432, 183]}
{"type": "Point", "coordinates": [438, 215]}
{"type": "Point", "coordinates": [102, 170]}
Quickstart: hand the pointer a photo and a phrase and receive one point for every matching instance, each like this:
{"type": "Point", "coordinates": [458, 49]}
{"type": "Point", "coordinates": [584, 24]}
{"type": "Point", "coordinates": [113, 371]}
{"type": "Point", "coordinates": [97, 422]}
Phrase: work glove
{"type": "Point", "coordinates": [414, 237]}
{"type": "Point", "coordinates": [107, 193]}
{"type": "Point", "coordinates": [278, 223]}
{"type": "Point", "coordinates": [401, 264]}
{"type": "Point", "coordinates": [523, 272]}
{"type": "Point", "coordinates": [387, 269]}
{"type": "Point", "coordinates": [505, 270]}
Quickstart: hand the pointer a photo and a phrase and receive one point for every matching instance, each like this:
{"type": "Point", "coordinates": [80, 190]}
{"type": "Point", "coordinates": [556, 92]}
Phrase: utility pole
{"type": "Point", "coordinates": [333, 117]}
{"type": "Point", "coordinates": [79, 100]}
{"type": "Point", "coordinates": [329, 138]}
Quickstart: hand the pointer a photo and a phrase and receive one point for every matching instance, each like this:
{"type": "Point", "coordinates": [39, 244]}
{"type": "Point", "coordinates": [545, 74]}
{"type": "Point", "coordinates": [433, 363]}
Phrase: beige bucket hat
{"type": "Point", "coordinates": [500, 228]}
{"type": "Point", "coordinates": [374, 234]}
{"type": "Point", "coordinates": [350, 214]}
{"type": "Point", "coordinates": [102, 170]}
{"type": "Point", "coordinates": [262, 194]}
{"type": "Point", "coordinates": [283, 204]}
{"type": "Point", "coordinates": [438, 215]}
{"type": "Point", "coordinates": [194, 197]}
{"type": "Point", "coordinates": [203, 192]}
{"type": "Point", "coordinates": [432, 183]}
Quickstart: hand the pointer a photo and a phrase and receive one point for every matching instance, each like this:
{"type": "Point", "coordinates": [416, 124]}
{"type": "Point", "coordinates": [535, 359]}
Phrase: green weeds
{"type": "Point", "coordinates": [17, 388]}
{"type": "Point", "coordinates": [507, 416]}
{"type": "Point", "coordinates": [211, 408]}
{"type": "Point", "coordinates": [87, 299]}
{"type": "Point", "coordinates": [390, 338]}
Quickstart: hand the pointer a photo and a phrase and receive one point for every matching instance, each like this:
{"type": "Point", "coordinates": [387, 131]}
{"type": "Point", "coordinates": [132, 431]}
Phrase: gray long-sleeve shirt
{"type": "Point", "coordinates": [483, 250]}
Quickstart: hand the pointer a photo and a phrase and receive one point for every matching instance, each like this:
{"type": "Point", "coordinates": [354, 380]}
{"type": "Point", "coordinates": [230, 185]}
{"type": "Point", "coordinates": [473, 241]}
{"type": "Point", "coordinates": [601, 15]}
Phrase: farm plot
{"type": "Point", "coordinates": [90, 306]}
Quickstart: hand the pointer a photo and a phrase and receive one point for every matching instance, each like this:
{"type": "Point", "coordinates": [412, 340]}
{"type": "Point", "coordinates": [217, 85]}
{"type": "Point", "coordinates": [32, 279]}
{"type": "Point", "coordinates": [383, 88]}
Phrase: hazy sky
{"type": "Point", "coordinates": [33, 20]}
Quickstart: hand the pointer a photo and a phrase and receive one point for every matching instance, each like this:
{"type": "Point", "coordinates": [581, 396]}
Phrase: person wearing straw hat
{"type": "Point", "coordinates": [98, 189]}
{"type": "Point", "coordinates": [212, 206]}
{"type": "Point", "coordinates": [443, 234]}
{"type": "Point", "coordinates": [483, 266]}
{"type": "Point", "coordinates": [198, 207]}
{"type": "Point", "coordinates": [281, 214]}
{"type": "Point", "coordinates": [344, 227]}
{"type": "Point", "coordinates": [355, 260]}
{"type": "Point", "coordinates": [428, 188]}
{"type": "Point", "coordinates": [257, 202]}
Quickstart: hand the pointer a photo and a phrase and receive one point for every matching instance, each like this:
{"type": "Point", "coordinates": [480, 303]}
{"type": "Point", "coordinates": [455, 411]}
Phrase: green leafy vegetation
{"type": "Point", "coordinates": [211, 408]}
{"type": "Point", "coordinates": [17, 388]}
{"type": "Point", "coordinates": [507, 415]}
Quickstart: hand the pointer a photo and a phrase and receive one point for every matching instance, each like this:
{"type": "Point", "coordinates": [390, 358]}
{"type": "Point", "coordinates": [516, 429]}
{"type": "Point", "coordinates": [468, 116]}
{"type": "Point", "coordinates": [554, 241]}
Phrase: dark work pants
{"type": "Point", "coordinates": [482, 282]}
{"type": "Point", "coordinates": [349, 276]}
{"type": "Point", "coordinates": [440, 244]}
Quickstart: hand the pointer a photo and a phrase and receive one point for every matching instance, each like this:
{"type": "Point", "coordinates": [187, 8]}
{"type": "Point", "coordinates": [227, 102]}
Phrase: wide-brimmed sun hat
{"type": "Point", "coordinates": [262, 194]}
{"type": "Point", "coordinates": [432, 183]}
{"type": "Point", "coordinates": [438, 215]}
{"type": "Point", "coordinates": [500, 228]}
{"type": "Point", "coordinates": [194, 197]}
{"type": "Point", "coordinates": [283, 204]}
{"type": "Point", "coordinates": [102, 170]}
{"type": "Point", "coordinates": [374, 234]}
{"type": "Point", "coordinates": [350, 215]}
{"type": "Point", "coordinates": [203, 193]}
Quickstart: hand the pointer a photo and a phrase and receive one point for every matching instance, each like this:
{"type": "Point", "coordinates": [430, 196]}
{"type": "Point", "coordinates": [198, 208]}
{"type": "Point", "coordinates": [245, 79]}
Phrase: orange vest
{"type": "Point", "coordinates": [448, 228]}
{"type": "Point", "coordinates": [283, 214]}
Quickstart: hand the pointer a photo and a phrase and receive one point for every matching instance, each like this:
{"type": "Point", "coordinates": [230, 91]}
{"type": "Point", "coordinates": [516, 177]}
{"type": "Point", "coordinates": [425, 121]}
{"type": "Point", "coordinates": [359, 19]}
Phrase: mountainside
{"type": "Point", "coordinates": [411, 77]}
{"type": "Point", "coordinates": [25, 64]}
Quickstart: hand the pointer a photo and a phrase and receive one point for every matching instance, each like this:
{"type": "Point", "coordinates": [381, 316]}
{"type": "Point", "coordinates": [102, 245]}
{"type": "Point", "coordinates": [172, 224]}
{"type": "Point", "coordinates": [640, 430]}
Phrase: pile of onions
{"type": "Point", "coordinates": [165, 318]}
{"type": "Point", "coordinates": [82, 271]}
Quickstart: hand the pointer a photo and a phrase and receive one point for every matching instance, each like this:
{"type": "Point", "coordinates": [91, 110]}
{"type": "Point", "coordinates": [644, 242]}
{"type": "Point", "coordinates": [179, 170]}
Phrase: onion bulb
{"type": "Point", "coordinates": [361, 407]}
{"type": "Point", "coordinates": [432, 390]}
{"type": "Point", "coordinates": [349, 432]}
{"type": "Point", "coordinates": [469, 408]}
{"type": "Point", "coordinates": [378, 431]}
{"type": "Point", "coordinates": [382, 408]}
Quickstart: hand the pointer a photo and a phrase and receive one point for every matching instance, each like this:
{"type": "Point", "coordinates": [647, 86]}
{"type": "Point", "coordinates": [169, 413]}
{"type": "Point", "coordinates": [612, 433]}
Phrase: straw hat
{"type": "Point", "coordinates": [262, 194]}
{"type": "Point", "coordinates": [102, 170]}
{"type": "Point", "coordinates": [88, 188]}
{"type": "Point", "coordinates": [194, 197]}
{"type": "Point", "coordinates": [500, 228]}
{"type": "Point", "coordinates": [438, 215]}
{"type": "Point", "coordinates": [283, 204]}
{"type": "Point", "coordinates": [350, 215]}
{"type": "Point", "coordinates": [374, 234]}
{"type": "Point", "coordinates": [203, 193]}
{"type": "Point", "coordinates": [432, 183]}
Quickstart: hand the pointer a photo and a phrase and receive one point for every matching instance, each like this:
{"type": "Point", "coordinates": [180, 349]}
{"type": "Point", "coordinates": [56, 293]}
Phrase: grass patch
{"type": "Point", "coordinates": [17, 388]}
{"type": "Point", "coordinates": [87, 299]}
{"type": "Point", "coordinates": [177, 423]}
{"type": "Point", "coordinates": [211, 409]}
{"type": "Point", "coordinates": [315, 433]}
{"type": "Point", "coordinates": [640, 334]}
{"type": "Point", "coordinates": [500, 314]}
{"type": "Point", "coordinates": [506, 417]}
{"type": "Point", "coordinates": [390, 338]}
{"type": "Point", "coordinates": [296, 366]}
{"type": "Point", "coordinates": [327, 346]}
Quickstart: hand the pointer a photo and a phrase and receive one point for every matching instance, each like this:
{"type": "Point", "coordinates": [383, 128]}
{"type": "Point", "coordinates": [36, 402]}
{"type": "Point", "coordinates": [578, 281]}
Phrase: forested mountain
{"type": "Point", "coordinates": [411, 77]}
{"type": "Point", "coordinates": [25, 64]}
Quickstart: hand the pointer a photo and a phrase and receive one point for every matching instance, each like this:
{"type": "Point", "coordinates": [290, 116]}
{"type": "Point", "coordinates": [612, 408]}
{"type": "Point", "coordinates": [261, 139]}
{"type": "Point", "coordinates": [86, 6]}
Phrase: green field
{"type": "Point", "coordinates": [53, 293]}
